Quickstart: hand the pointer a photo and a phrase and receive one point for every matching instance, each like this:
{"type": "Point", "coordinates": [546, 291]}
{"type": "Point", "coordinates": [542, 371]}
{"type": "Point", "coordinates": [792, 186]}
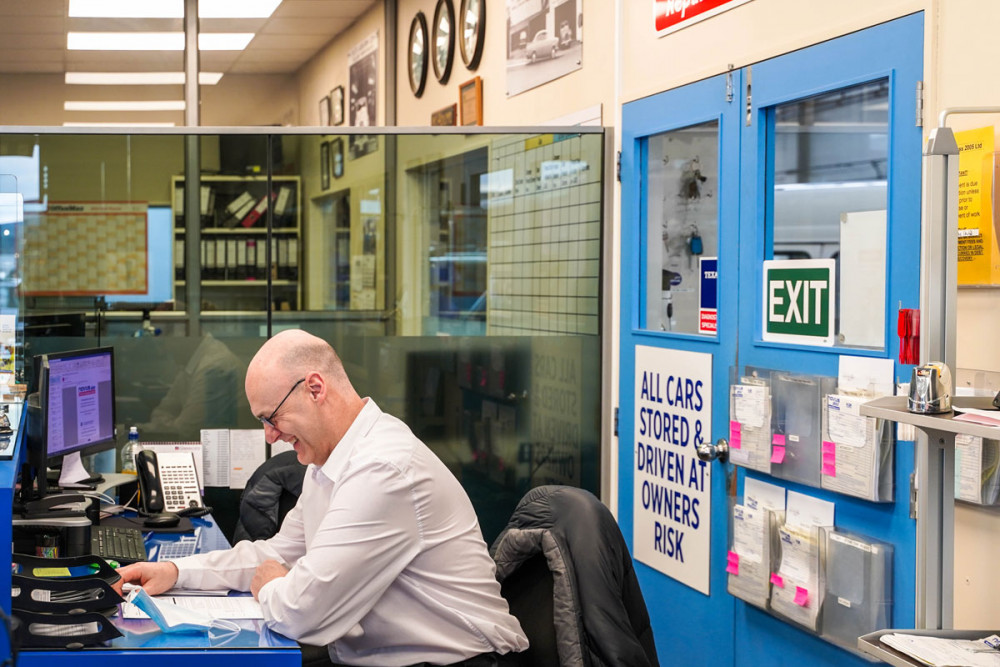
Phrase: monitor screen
{"type": "Point", "coordinates": [79, 401]}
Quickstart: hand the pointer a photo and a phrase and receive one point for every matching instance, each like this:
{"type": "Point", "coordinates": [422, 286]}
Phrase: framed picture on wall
{"type": "Point", "coordinates": [470, 97]}
{"type": "Point", "coordinates": [337, 157]}
{"type": "Point", "coordinates": [324, 111]}
{"type": "Point", "coordinates": [445, 116]}
{"type": "Point", "coordinates": [337, 102]}
{"type": "Point", "coordinates": [324, 165]}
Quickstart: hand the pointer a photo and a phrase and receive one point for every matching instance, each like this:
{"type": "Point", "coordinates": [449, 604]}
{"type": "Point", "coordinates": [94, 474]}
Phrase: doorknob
{"type": "Point", "coordinates": [720, 450]}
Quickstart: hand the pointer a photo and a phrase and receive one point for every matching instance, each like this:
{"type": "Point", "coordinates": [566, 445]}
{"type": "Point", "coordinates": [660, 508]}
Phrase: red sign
{"type": "Point", "coordinates": [708, 320]}
{"type": "Point", "coordinates": [671, 15]}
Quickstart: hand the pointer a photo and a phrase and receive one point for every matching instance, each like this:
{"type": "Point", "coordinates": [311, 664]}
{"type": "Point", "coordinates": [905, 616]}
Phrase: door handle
{"type": "Point", "coordinates": [709, 452]}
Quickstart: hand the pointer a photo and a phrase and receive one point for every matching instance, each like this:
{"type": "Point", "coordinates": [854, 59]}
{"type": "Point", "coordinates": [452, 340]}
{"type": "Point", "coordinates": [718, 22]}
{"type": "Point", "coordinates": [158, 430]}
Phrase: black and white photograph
{"type": "Point", "coordinates": [324, 111]}
{"type": "Point", "coordinates": [544, 42]}
{"type": "Point", "coordinates": [363, 66]}
{"type": "Point", "coordinates": [362, 62]}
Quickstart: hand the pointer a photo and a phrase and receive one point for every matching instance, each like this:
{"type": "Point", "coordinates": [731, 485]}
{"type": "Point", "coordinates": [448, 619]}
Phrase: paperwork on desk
{"type": "Point", "coordinates": [941, 652]}
{"type": "Point", "coordinates": [216, 605]}
{"type": "Point", "coordinates": [977, 469]}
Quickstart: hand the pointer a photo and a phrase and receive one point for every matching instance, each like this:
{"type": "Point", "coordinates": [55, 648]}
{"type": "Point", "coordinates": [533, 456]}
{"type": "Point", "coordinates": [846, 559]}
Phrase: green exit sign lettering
{"type": "Point", "coordinates": [799, 300]}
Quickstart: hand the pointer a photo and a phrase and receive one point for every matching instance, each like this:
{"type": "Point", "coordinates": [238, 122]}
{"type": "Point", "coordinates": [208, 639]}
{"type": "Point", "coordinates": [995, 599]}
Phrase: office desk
{"type": "Point", "coordinates": [142, 641]}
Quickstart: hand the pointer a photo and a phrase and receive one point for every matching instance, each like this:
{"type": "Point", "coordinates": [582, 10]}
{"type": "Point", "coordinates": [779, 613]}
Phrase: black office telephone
{"type": "Point", "coordinates": [168, 482]}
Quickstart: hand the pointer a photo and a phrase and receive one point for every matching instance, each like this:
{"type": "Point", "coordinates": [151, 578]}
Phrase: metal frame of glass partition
{"type": "Point", "coordinates": [483, 381]}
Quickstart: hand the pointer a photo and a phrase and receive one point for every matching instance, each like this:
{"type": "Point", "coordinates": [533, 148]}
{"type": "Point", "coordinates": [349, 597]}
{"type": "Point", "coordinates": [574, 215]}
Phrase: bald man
{"type": "Point", "coordinates": [382, 561]}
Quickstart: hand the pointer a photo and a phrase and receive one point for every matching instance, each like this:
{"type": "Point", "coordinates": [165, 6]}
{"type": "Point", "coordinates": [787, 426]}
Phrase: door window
{"type": "Point", "coordinates": [683, 227]}
{"type": "Point", "coordinates": [831, 159]}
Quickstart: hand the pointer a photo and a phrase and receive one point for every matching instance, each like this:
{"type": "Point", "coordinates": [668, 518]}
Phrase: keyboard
{"type": "Point", "coordinates": [124, 545]}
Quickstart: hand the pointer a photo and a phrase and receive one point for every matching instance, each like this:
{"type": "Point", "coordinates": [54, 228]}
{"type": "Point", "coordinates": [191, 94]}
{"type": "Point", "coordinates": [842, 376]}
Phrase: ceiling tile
{"type": "Point", "coordinates": [322, 8]}
{"type": "Point", "coordinates": [315, 26]}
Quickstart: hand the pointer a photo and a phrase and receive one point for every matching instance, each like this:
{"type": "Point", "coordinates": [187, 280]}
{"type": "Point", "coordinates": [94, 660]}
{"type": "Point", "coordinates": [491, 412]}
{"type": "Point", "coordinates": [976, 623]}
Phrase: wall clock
{"type": "Point", "coordinates": [416, 58]}
{"type": "Point", "coordinates": [472, 31]}
{"type": "Point", "coordinates": [443, 39]}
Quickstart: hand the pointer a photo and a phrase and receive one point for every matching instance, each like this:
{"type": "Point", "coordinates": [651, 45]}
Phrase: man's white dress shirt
{"type": "Point", "coordinates": [388, 564]}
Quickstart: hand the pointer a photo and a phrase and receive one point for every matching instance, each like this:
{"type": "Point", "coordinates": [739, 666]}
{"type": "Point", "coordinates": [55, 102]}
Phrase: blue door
{"type": "Point", "coordinates": [807, 156]}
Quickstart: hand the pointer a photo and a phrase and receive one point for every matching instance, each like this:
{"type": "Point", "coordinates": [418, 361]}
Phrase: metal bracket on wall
{"type": "Point", "coordinates": [749, 121]}
{"type": "Point", "coordinates": [729, 84]}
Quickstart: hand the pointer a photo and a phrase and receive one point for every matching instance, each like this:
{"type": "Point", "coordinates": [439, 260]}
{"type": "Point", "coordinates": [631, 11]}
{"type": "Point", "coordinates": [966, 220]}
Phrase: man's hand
{"type": "Point", "coordinates": [266, 571]}
{"type": "Point", "coordinates": [156, 578]}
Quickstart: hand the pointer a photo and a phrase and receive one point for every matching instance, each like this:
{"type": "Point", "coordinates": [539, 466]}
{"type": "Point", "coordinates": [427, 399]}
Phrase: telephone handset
{"type": "Point", "coordinates": [168, 482]}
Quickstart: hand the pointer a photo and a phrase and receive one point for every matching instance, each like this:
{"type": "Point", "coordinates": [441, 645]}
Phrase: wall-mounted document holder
{"type": "Point", "coordinates": [797, 427]}
{"type": "Point", "coordinates": [824, 580]}
{"type": "Point", "coordinates": [750, 422]}
{"type": "Point", "coordinates": [797, 586]}
{"type": "Point", "coordinates": [752, 554]}
{"type": "Point", "coordinates": [977, 470]}
{"type": "Point", "coordinates": [858, 595]}
{"type": "Point", "coordinates": [797, 423]}
{"type": "Point", "coordinates": [857, 452]}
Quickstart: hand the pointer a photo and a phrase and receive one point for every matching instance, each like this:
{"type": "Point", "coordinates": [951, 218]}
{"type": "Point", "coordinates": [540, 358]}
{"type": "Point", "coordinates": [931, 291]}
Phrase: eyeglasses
{"type": "Point", "coordinates": [267, 420]}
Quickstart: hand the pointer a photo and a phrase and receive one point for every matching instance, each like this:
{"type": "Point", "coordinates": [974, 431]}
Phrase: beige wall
{"type": "Point", "coordinates": [329, 69]}
{"type": "Point", "coordinates": [591, 85]}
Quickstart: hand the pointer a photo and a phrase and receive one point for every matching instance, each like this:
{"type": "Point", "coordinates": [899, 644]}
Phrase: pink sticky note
{"type": "Point", "coordinates": [733, 563]}
{"type": "Point", "coordinates": [778, 454]}
{"type": "Point", "coordinates": [801, 596]}
{"type": "Point", "coordinates": [830, 470]}
{"type": "Point", "coordinates": [777, 580]}
{"type": "Point", "coordinates": [735, 441]}
{"type": "Point", "coordinates": [778, 439]}
{"type": "Point", "coordinates": [828, 447]}
{"type": "Point", "coordinates": [735, 427]}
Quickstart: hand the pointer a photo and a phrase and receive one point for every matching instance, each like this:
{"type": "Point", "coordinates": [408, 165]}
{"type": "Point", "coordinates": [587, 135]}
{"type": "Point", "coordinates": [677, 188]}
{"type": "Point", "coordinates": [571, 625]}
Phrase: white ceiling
{"type": "Point", "coordinates": [33, 38]}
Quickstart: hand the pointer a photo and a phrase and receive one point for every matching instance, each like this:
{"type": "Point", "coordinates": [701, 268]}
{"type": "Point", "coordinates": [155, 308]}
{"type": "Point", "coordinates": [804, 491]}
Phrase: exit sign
{"type": "Point", "coordinates": [799, 301]}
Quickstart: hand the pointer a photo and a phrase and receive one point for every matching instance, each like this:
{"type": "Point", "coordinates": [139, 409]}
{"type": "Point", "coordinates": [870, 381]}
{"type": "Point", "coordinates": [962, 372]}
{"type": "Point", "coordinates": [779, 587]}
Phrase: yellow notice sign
{"type": "Point", "coordinates": [978, 255]}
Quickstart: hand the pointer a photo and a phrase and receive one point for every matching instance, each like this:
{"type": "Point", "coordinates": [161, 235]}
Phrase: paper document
{"type": "Point", "coordinates": [218, 606]}
{"type": "Point", "coordinates": [984, 417]}
{"type": "Point", "coordinates": [938, 651]}
{"type": "Point", "coordinates": [750, 430]}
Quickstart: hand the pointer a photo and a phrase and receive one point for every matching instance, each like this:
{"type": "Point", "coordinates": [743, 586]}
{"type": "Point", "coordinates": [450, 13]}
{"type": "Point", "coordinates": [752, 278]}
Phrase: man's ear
{"type": "Point", "coordinates": [316, 385]}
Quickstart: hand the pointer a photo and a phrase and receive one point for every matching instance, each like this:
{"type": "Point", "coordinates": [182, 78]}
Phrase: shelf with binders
{"type": "Point", "coordinates": [242, 202]}
{"type": "Point", "coordinates": [234, 263]}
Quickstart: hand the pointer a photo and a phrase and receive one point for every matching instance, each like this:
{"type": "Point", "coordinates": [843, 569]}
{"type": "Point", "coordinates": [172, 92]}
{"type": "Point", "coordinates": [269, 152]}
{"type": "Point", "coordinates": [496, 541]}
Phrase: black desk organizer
{"type": "Point", "coordinates": [63, 612]}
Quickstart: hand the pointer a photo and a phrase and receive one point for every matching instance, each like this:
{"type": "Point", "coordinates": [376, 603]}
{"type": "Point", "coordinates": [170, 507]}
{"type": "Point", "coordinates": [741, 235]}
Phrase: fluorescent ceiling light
{"type": "Point", "coordinates": [172, 9]}
{"type": "Point", "coordinates": [140, 105]}
{"type": "Point", "coordinates": [138, 78]}
{"type": "Point", "coordinates": [74, 124]}
{"type": "Point", "coordinates": [155, 41]}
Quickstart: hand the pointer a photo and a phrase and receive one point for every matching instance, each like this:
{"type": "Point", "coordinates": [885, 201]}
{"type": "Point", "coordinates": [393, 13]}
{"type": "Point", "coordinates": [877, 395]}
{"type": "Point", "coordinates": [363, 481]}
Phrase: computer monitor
{"type": "Point", "coordinates": [76, 407]}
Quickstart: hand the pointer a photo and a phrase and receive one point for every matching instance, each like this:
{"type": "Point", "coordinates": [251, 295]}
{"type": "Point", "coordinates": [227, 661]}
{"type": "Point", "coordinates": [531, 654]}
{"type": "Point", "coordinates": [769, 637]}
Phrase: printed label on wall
{"type": "Point", "coordinates": [672, 491]}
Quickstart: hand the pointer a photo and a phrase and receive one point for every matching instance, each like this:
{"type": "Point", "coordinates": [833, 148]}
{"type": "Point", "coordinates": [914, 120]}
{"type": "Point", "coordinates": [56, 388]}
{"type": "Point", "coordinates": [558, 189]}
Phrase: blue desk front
{"type": "Point", "coordinates": [143, 641]}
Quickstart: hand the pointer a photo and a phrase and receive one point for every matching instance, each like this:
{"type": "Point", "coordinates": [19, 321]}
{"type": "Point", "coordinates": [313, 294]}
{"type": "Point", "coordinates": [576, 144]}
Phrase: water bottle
{"type": "Point", "coordinates": [129, 451]}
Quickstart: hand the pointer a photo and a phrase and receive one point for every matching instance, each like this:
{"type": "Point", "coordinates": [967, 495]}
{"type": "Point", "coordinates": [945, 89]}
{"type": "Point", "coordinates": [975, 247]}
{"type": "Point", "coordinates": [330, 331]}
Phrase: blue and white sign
{"type": "Point", "coordinates": [708, 295]}
{"type": "Point", "coordinates": [672, 491]}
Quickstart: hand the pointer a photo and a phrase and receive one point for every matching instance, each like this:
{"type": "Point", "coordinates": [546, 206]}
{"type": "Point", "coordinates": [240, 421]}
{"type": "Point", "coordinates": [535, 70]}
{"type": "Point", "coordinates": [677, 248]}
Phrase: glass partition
{"type": "Point", "coordinates": [457, 275]}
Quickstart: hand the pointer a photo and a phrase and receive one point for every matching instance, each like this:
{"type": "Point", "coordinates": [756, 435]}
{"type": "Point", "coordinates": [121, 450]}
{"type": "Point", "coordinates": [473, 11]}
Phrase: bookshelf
{"type": "Point", "coordinates": [233, 229]}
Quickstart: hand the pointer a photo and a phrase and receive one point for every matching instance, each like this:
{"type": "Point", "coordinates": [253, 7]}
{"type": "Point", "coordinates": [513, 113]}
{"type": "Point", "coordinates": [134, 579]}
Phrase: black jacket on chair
{"type": "Point", "coordinates": [272, 490]}
{"type": "Point", "coordinates": [564, 541]}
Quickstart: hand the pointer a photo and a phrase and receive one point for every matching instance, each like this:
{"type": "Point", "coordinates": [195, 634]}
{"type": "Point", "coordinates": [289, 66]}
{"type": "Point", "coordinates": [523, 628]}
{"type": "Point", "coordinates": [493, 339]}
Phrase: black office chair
{"type": "Point", "coordinates": [566, 572]}
{"type": "Point", "coordinates": [270, 493]}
